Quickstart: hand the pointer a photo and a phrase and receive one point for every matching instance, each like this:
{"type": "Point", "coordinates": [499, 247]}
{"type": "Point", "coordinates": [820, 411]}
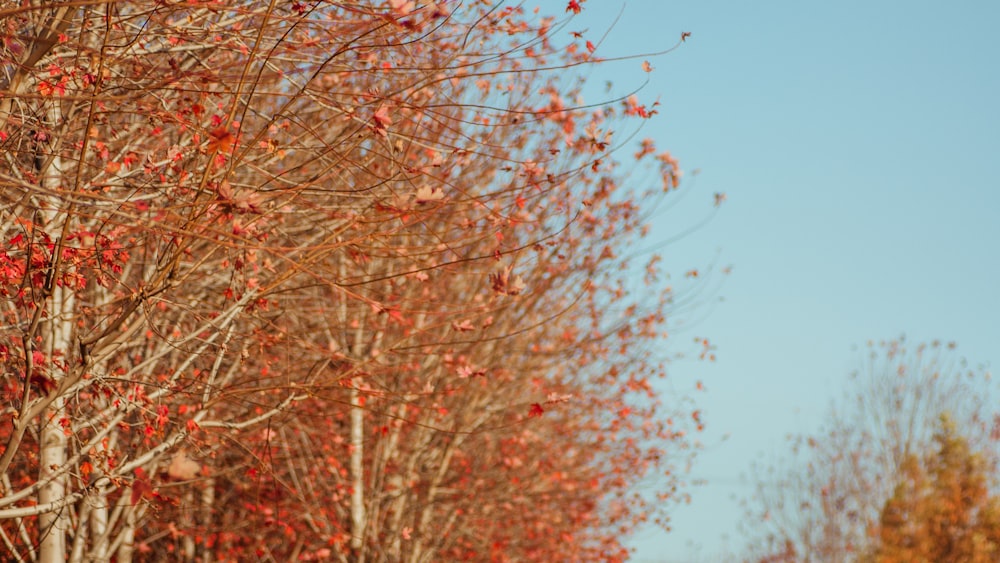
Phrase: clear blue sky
{"type": "Point", "coordinates": [859, 145]}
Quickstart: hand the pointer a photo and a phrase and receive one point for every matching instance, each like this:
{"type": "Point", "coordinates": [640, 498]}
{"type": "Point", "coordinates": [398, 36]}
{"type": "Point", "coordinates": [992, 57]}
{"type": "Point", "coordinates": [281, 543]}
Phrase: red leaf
{"type": "Point", "coordinates": [397, 315]}
{"type": "Point", "coordinates": [140, 487]}
{"type": "Point", "coordinates": [574, 6]}
{"type": "Point", "coordinates": [44, 384]}
{"type": "Point", "coordinates": [381, 120]}
{"type": "Point", "coordinates": [503, 284]}
{"type": "Point", "coordinates": [535, 410]}
{"type": "Point", "coordinates": [221, 140]}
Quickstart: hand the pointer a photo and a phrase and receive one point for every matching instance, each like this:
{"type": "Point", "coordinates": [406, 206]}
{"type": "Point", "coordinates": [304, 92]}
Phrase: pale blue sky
{"type": "Point", "coordinates": [859, 144]}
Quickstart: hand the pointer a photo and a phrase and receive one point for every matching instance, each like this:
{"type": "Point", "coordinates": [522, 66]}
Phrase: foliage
{"type": "Point", "coordinates": [941, 509]}
{"type": "Point", "coordinates": [324, 280]}
{"type": "Point", "coordinates": [823, 503]}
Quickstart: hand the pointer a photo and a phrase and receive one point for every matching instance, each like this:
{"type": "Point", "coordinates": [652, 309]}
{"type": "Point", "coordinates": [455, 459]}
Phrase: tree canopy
{"type": "Point", "coordinates": [942, 509]}
{"type": "Point", "coordinates": [321, 280]}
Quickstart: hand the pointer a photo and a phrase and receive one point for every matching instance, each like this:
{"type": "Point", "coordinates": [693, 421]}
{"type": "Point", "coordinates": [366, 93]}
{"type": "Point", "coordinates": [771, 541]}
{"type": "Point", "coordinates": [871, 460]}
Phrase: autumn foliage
{"type": "Point", "coordinates": [324, 281]}
{"type": "Point", "coordinates": [885, 479]}
{"type": "Point", "coordinates": [941, 509]}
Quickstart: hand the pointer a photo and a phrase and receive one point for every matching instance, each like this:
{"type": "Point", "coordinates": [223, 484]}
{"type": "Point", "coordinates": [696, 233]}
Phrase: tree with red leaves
{"type": "Point", "coordinates": [315, 280]}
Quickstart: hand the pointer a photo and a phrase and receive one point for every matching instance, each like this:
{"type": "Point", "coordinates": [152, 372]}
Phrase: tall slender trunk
{"type": "Point", "coordinates": [53, 526]}
{"type": "Point", "coordinates": [357, 477]}
{"type": "Point", "coordinates": [187, 522]}
{"type": "Point", "coordinates": [207, 507]}
{"type": "Point", "coordinates": [357, 452]}
{"type": "Point", "coordinates": [127, 547]}
{"type": "Point", "coordinates": [98, 523]}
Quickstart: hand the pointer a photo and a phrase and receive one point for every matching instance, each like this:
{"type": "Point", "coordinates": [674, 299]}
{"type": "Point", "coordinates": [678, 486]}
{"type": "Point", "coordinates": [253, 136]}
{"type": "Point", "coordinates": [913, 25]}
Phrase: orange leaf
{"type": "Point", "coordinates": [221, 140]}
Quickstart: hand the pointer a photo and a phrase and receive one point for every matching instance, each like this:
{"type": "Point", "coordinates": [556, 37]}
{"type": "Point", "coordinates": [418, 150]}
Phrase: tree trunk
{"type": "Point", "coordinates": [127, 547]}
{"type": "Point", "coordinates": [207, 506]}
{"type": "Point", "coordinates": [357, 477]}
{"type": "Point", "coordinates": [53, 441]}
{"type": "Point", "coordinates": [54, 525]}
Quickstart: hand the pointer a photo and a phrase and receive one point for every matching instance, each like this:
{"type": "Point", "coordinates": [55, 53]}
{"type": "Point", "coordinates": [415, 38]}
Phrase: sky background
{"type": "Point", "coordinates": [859, 144]}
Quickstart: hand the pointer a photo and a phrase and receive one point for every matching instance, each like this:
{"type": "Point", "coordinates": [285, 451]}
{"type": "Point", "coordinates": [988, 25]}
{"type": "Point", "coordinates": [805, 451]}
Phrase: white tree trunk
{"type": "Point", "coordinates": [357, 476]}
{"type": "Point", "coordinates": [207, 506]}
{"type": "Point", "coordinates": [99, 528]}
{"type": "Point", "coordinates": [127, 547]}
{"type": "Point", "coordinates": [98, 523]}
{"type": "Point", "coordinates": [53, 526]}
{"type": "Point", "coordinates": [53, 442]}
{"type": "Point", "coordinates": [187, 522]}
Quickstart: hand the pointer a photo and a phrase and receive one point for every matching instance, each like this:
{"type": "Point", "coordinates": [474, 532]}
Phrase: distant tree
{"type": "Point", "coordinates": [823, 503]}
{"type": "Point", "coordinates": [941, 510]}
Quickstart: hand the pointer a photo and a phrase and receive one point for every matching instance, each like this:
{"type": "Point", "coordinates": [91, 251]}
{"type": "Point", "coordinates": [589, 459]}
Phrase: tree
{"type": "Point", "coordinates": [823, 503]}
{"type": "Point", "coordinates": [941, 509]}
{"type": "Point", "coordinates": [322, 280]}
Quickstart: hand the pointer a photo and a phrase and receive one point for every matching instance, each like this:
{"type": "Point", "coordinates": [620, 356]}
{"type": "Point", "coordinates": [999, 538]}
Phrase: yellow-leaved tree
{"type": "Point", "coordinates": [942, 509]}
{"type": "Point", "coordinates": [883, 445]}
